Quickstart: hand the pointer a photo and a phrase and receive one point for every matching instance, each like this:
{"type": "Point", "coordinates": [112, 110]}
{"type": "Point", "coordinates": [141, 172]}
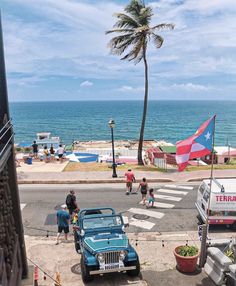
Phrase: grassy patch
{"type": "Point", "coordinates": [216, 167]}
{"type": "Point", "coordinates": [93, 166]}
{"type": "Point", "coordinates": [232, 161]}
{"type": "Point", "coordinates": [88, 167]}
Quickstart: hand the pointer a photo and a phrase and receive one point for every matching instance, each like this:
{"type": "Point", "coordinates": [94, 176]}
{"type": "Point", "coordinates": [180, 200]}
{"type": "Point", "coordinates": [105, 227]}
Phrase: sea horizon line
{"type": "Point", "coordinates": [127, 100]}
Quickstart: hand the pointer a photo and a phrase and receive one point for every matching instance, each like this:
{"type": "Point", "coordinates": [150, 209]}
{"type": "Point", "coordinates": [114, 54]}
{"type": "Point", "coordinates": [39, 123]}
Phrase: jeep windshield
{"type": "Point", "coordinates": [101, 222]}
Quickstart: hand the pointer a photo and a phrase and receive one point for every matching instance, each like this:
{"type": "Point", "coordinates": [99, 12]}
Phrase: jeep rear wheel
{"type": "Point", "coordinates": [85, 271]}
{"type": "Point", "coordinates": [136, 271]}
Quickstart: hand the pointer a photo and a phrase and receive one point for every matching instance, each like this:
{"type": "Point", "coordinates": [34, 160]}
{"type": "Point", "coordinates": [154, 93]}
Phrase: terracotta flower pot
{"type": "Point", "coordinates": [186, 264]}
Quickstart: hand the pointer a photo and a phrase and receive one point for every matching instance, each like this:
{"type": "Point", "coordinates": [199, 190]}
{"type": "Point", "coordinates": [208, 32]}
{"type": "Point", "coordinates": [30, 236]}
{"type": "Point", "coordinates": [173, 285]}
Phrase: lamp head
{"type": "Point", "coordinates": [111, 123]}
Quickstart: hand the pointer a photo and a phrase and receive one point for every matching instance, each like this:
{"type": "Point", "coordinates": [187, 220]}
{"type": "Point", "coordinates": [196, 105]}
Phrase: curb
{"type": "Point", "coordinates": [112, 181]}
{"type": "Point", "coordinates": [25, 182]}
{"type": "Point", "coordinates": [205, 178]}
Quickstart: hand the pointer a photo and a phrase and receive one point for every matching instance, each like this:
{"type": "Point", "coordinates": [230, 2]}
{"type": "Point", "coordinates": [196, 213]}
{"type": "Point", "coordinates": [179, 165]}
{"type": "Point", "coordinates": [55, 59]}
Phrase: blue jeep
{"type": "Point", "coordinates": [100, 238]}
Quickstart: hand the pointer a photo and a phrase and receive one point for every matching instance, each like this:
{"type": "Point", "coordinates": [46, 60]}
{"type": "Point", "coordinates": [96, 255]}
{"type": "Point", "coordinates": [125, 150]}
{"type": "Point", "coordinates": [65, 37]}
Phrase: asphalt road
{"type": "Point", "coordinates": [175, 209]}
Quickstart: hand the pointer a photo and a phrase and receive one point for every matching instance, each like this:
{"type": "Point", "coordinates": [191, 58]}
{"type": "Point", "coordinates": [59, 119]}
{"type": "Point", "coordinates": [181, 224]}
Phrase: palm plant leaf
{"type": "Point", "coordinates": [145, 16]}
{"type": "Point", "coordinates": [163, 26]}
{"type": "Point", "coordinates": [134, 9]}
{"type": "Point", "coordinates": [120, 43]}
{"type": "Point", "coordinates": [125, 21]}
{"type": "Point", "coordinates": [158, 40]}
{"type": "Point", "coordinates": [119, 31]}
{"type": "Point", "coordinates": [136, 53]}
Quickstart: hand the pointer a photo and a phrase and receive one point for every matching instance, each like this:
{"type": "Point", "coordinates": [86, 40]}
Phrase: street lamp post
{"type": "Point", "coordinates": [229, 151]}
{"type": "Point", "coordinates": [228, 145]}
{"type": "Point", "coordinates": [112, 125]}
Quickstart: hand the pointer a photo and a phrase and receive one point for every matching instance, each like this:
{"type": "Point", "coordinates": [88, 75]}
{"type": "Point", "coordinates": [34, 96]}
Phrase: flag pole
{"type": "Point", "coordinates": [206, 225]}
{"type": "Point", "coordinates": [212, 169]}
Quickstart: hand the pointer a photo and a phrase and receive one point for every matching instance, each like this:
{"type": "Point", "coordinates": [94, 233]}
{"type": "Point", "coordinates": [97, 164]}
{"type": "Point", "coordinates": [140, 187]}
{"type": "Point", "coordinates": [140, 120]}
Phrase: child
{"type": "Point", "coordinates": [150, 199]}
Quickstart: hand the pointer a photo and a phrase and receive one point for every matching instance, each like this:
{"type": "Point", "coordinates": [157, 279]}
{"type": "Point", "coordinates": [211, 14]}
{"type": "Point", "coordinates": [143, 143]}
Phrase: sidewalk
{"type": "Point", "coordinates": [158, 266]}
{"type": "Point", "coordinates": [44, 174]}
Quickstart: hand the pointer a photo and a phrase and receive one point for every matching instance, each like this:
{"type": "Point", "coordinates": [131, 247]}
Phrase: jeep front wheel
{"type": "Point", "coordinates": [136, 271]}
{"type": "Point", "coordinates": [86, 277]}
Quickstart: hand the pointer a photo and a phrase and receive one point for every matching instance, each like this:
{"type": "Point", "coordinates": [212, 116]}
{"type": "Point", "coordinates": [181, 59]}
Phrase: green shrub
{"type": "Point", "coordinates": [187, 250]}
{"type": "Point", "coordinates": [232, 161]}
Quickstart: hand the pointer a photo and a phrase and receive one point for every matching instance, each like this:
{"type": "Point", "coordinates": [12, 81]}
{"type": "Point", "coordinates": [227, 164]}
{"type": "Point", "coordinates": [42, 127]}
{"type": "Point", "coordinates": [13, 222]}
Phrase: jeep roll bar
{"type": "Point", "coordinates": [94, 211]}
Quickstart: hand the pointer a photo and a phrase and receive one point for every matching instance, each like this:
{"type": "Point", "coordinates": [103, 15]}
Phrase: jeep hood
{"type": "Point", "coordinates": [105, 242]}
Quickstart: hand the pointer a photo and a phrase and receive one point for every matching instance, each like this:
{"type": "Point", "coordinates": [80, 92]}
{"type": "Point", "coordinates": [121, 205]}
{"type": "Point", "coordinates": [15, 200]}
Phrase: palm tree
{"type": "Point", "coordinates": [134, 34]}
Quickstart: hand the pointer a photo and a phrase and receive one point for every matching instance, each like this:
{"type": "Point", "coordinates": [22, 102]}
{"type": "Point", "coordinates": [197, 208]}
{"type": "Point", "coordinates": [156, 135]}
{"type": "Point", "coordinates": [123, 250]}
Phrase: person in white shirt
{"type": "Point", "coordinates": [61, 152]}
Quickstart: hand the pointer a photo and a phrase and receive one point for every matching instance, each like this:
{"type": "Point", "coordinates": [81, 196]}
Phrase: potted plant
{"type": "Point", "coordinates": [186, 258]}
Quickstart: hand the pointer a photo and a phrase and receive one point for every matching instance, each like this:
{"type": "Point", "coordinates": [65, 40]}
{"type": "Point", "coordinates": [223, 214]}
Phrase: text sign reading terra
{"type": "Point", "coordinates": [223, 198]}
{"type": "Point", "coordinates": [223, 202]}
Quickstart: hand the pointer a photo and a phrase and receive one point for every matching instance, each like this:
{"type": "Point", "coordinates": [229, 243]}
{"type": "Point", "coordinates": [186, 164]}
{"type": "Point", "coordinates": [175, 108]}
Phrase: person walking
{"type": "Point", "coordinates": [61, 152]}
{"type": "Point", "coordinates": [151, 198]}
{"type": "Point", "coordinates": [63, 218]}
{"type": "Point", "coordinates": [143, 187]}
{"type": "Point", "coordinates": [71, 203]}
{"type": "Point", "coordinates": [130, 178]}
{"type": "Point", "coordinates": [35, 149]}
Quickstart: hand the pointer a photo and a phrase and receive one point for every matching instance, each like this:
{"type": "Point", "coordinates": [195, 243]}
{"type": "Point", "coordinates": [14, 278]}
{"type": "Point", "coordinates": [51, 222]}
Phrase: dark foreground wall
{"type": "Point", "coordinates": [13, 262]}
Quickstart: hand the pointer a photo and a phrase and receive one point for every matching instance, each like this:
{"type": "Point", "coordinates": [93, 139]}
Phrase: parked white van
{"type": "Point", "coordinates": [222, 209]}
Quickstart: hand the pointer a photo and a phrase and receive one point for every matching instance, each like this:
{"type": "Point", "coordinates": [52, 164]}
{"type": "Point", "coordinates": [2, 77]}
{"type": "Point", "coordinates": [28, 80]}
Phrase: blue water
{"type": "Point", "coordinates": [88, 120]}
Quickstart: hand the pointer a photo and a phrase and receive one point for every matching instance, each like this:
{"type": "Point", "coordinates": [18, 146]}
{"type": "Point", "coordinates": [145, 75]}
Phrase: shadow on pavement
{"type": "Point", "coordinates": [174, 277]}
{"type": "Point", "coordinates": [111, 279]}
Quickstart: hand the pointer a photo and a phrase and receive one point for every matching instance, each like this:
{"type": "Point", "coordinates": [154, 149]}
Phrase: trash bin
{"type": "Point", "coordinates": [29, 161]}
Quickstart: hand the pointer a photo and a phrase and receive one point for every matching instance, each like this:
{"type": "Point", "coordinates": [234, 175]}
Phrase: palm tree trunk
{"type": "Point", "coordinates": [140, 145]}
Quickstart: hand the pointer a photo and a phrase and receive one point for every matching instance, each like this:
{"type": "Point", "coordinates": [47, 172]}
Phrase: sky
{"type": "Point", "coordinates": [58, 50]}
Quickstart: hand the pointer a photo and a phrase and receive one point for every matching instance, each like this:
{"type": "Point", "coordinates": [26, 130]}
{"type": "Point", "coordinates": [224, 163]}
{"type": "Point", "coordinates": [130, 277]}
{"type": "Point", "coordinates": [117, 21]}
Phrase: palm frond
{"type": "Point", "coordinates": [158, 40]}
{"type": "Point", "coordinates": [136, 52]}
{"type": "Point", "coordinates": [163, 26]}
{"type": "Point", "coordinates": [139, 56]}
{"type": "Point", "coordinates": [119, 49]}
{"type": "Point", "coordinates": [134, 9]}
{"type": "Point", "coordinates": [120, 43]}
{"type": "Point", "coordinates": [145, 16]}
{"type": "Point", "coordinates": [125, 21]}
{"type": "Point", "coordinates": [119, 31]}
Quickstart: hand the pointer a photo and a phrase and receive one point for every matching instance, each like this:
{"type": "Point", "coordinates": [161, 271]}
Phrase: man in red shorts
{"type": "Point", "coordinates": [129, 181]}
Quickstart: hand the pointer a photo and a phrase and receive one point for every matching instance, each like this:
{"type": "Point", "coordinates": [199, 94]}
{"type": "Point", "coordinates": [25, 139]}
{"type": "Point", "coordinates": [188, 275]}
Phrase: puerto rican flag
{"type": "Point", "coordinates": [198, 145]}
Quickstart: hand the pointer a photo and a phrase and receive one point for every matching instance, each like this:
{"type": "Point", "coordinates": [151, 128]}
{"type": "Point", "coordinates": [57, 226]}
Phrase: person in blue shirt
{"type": "Point", "coordinates": [63, 218]}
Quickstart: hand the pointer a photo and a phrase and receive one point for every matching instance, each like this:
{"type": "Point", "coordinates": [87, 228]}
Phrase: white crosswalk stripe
{"type": "Point", "coordinates": [22, 206]}
{"type": "Point", "coordinates": [146, 212]}
{"type": "Point", "coordinates": [179, 187]}
{"type": "Point", "coordinates": [168, 198]}
{"type": "Point", "coordinates": [161, 205]}
{"type": "Point", "coordinates": [141, 223]}
{"type": "Point", "coordinates": [174, 192]}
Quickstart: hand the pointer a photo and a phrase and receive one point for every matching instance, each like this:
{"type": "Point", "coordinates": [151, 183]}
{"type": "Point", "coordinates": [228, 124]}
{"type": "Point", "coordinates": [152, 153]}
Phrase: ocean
{"type": "Point", "coordinates": [88, 120]}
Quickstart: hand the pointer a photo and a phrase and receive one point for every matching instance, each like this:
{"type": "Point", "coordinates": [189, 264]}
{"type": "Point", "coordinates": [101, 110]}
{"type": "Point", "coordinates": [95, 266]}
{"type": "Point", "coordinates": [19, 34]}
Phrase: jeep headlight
{"type": "Point", "coordinates": [100, 257]}
{"type": "Point", "coordinates": [122, 255]}
{"type": "Point", "coordinates": [82, 232]}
